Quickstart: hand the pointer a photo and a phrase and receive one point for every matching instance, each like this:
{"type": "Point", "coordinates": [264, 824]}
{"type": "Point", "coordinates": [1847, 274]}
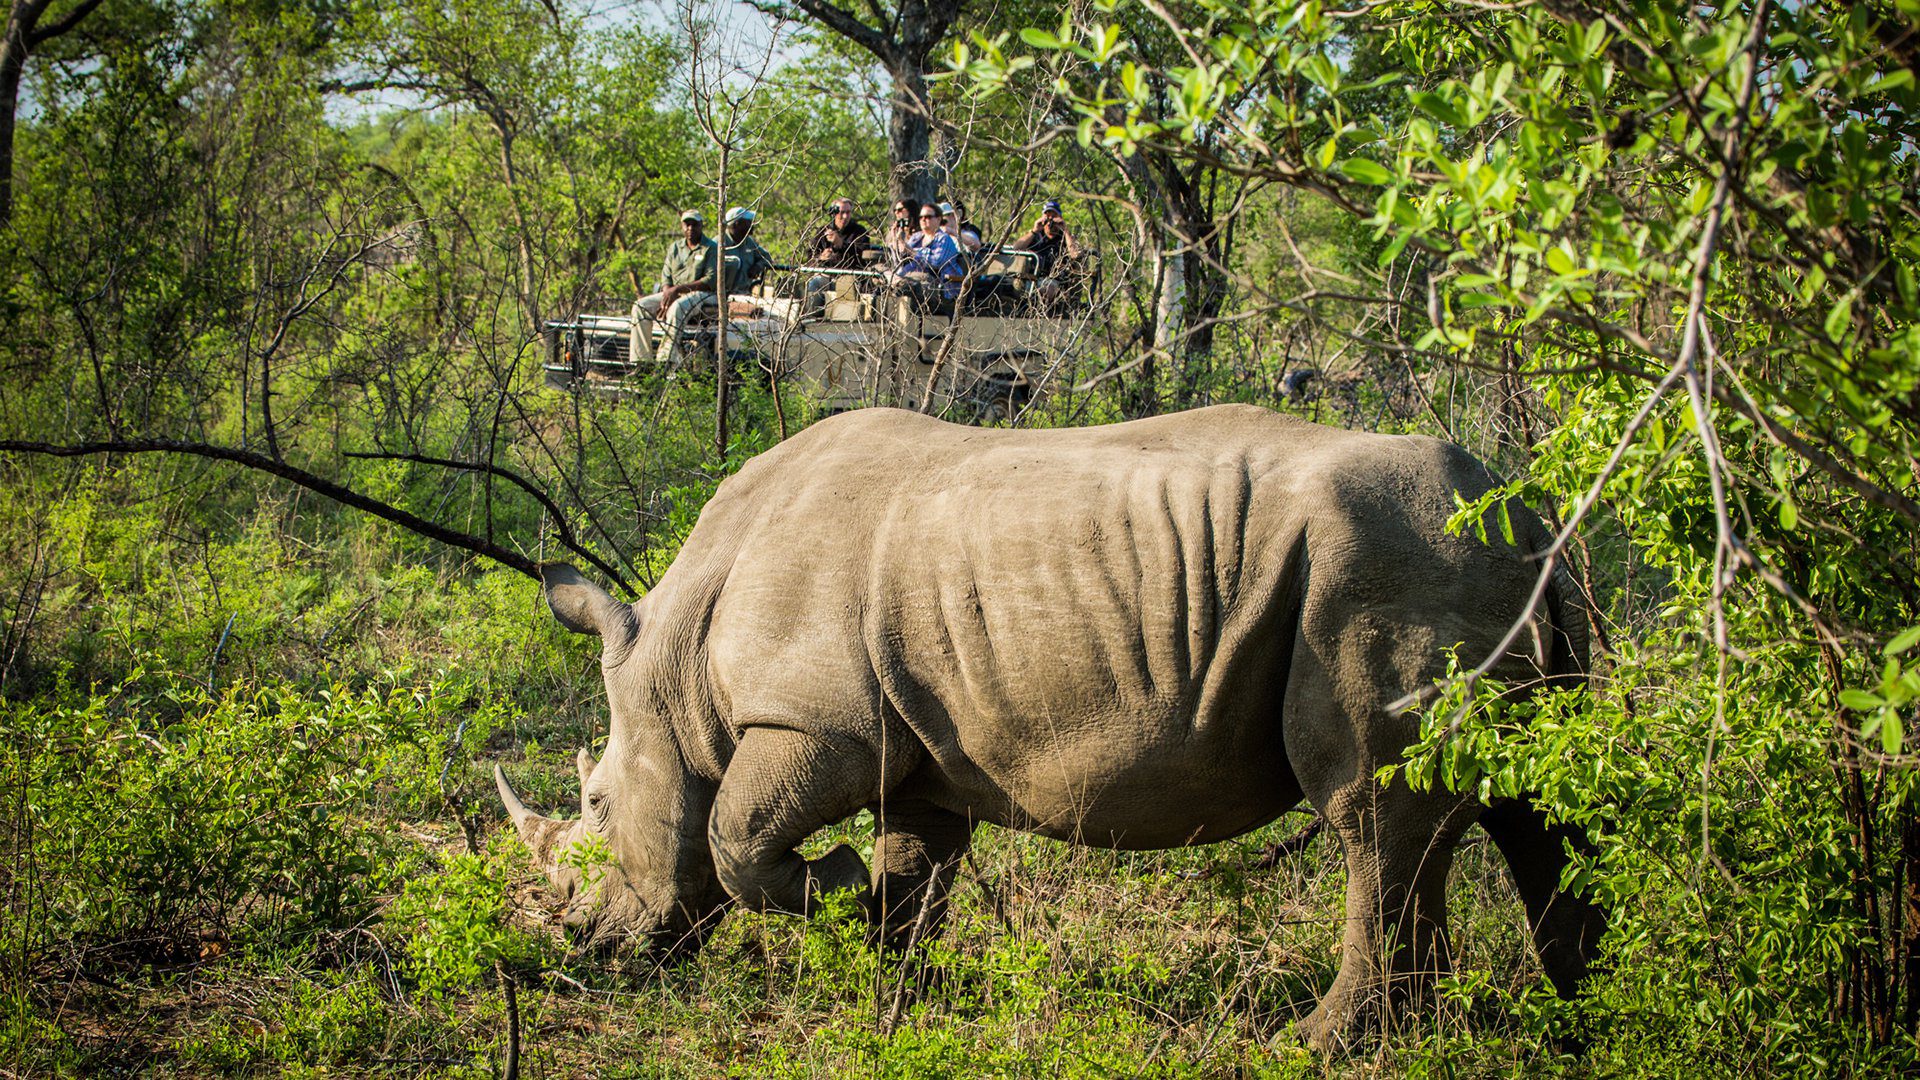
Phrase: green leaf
{"type": "Point", "coordinates": [1596, 37]}
{"type": "Point", "coordinates": [1394, 248]}
{"type": "Point", "coordinates": [1040, 39]}
{"type": "Point", "coordinates": [1840, 319]}
{"type": "Point", "coordinates": [1890, 733]}
{"type": "Point", "coordinates": [1893, 80]}
{"type": "Point", "coordinates": [1906, 639]}
{"type": "Point", "coordinates": [1365, 171]}
{"type": "Point", "coordinates": [1789, 517]}
{"type": "Point", "coordinates": [1861, 699]}
{"type": "Point", "coordinates": [1439, 107]}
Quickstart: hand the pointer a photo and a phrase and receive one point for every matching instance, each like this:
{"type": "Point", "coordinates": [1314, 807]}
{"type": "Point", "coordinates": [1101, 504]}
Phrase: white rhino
{"type": "Point", "coordinates": [1146, 635]}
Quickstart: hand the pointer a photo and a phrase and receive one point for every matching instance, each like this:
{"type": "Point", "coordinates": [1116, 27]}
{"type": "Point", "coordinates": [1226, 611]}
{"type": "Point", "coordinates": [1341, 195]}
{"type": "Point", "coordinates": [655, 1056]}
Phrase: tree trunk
{"type": "Point", "coordinates": [909, 135]}
{"type": "Point", "coordinates": [901, 36]}
{"type": "Point", "coordinates": [1203, 287]}
{"type": "Point", "coordinates": [1169, 299]}
{"type": "Point", "coordinates": [13, 66]}
{"type": "Point", "coordinates": [523, 236]}
{"type": "Point", "coordinates": [722, 387]}
{"type": "Point", "coordinates": [23, 34]}
{"type": "Point", "coordinates": [1909, 901]}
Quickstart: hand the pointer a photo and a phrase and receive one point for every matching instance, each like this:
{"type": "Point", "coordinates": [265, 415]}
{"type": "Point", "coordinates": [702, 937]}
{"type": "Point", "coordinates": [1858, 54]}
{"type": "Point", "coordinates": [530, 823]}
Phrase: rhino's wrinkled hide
{"type": "Point", "coordinates": [1144, 635]}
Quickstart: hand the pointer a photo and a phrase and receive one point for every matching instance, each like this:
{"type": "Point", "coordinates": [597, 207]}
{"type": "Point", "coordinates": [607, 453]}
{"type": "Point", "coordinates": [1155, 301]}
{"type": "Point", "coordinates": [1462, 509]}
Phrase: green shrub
{"type": "Point", "coordinates": [457, 920]}
{"type": "Point", "coordinates": [154, 815]}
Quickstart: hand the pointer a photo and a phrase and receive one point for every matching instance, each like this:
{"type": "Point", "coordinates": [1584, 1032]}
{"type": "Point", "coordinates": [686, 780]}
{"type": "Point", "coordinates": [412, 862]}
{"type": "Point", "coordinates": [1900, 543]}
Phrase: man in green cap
{"type": "Point", "coordinates": [686, 285]}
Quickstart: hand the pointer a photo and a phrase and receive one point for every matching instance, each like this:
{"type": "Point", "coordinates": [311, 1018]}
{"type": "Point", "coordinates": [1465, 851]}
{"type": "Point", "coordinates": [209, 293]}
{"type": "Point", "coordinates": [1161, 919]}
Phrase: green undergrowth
{"type": "Point", "coordinates": [251, 830]}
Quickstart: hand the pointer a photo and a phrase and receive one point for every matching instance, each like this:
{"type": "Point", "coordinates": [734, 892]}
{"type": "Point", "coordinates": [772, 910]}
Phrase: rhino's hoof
{"type": "Point", "coordinates": [841, 868]}
{"type": "Point", "coordinates": [1333, 1030]}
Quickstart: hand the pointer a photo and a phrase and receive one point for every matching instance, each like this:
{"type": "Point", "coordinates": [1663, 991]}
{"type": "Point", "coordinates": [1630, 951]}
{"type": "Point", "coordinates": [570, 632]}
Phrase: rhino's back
{"type": "Point", "coordinates": [1081, 626]}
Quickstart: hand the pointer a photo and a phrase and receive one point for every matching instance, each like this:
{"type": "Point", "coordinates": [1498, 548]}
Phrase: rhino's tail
{"type": "Point", "coordinates": [1568, 618]}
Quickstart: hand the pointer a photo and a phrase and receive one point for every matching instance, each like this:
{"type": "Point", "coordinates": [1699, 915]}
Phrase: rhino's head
{"type": "Point", "coordinates": [636, 867]}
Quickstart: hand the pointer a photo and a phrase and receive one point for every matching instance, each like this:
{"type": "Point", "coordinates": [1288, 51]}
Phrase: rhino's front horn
{"type": "Point", "coordinates": [538, 832]}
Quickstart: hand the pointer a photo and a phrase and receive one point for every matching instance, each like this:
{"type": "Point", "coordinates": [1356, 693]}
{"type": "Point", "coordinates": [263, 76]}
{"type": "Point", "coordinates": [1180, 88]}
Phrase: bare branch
{"type": "Point", "coordinates": [513, 560]}
{"type": "Point", "coordinates": [567, 538]}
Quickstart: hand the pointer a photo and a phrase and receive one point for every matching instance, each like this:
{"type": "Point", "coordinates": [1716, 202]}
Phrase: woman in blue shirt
{"type": "Point", "coordinates": [933, 255]}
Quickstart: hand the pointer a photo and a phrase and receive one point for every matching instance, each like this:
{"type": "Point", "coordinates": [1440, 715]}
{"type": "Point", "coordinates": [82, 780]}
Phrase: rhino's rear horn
{"type": "Point", "coordinates": [584, 762]}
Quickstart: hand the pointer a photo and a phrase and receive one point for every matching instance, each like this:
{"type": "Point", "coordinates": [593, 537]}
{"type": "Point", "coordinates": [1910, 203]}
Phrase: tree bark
{"type": "Point", "coordinates": [910, 136]}
{"type": "Point", "coordinates": [901, 37]}
{"type": "Point", "coordinates": [523, 247]}
{"type": "Point", "coordinates": [24, 34]}
{"type": "Point", "coordinates": [1196, 239]}
{"type": "Point", "coordinates": [511, 1070]}
{"type": "Point", "coordinates": [1910, 914]}
{"type": "Point", "coordinates": [13, 65]}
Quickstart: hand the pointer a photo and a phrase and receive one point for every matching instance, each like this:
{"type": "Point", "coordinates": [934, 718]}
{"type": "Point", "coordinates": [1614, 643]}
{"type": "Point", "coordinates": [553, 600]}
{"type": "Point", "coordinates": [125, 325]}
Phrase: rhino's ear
{"type": "Point", "coordinates": [584, 762]}
{"type": "Point", "coordinates": [585, 608]}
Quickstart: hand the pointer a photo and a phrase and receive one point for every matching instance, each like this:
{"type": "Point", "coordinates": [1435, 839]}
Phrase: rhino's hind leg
{"type": "Point", "coordinates": [1398, 842]}
{"type": "Point", "coordinates": [1566, 926]}
{"type": "Point", "coordinates": [916, 851]}
{"type": "Point", "coordinates": [1399, 847]}
{"type": "Point", "coordinates": [781, 786]}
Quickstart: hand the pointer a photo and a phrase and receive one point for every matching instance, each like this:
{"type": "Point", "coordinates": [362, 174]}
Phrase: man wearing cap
{"type": "Point", "coordinates": [686, 285]}
{"type": "Point", "coordinates": [1050, 240]}
{"type": "Point", "coordinates": [747, 262]}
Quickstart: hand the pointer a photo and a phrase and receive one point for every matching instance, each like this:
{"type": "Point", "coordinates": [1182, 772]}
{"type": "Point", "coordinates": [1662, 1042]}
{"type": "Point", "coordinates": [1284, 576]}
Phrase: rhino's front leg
{"type": "Point", "coordinates": [917, 848]}
{"type": "Point", "coordinates": [781, 786]}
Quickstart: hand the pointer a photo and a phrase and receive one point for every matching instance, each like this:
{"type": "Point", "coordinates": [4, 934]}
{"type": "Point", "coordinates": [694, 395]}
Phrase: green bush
{"type": "Point", "coordinates": [457, 920]}
{"type": "Point", "coordinates": [152, 816]}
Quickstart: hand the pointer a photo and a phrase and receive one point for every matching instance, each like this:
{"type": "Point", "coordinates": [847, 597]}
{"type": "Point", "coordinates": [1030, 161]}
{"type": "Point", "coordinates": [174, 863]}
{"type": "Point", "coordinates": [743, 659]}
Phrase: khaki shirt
{"type": "Point", "coordinates": [685, 265]}
{"type": "Point", "coordinates": [747, 262]}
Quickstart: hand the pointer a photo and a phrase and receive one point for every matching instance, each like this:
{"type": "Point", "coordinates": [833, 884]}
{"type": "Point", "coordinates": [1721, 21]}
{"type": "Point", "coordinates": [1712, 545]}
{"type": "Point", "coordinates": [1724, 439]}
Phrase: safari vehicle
{"type": "Point", "coordinates": [982, 357]}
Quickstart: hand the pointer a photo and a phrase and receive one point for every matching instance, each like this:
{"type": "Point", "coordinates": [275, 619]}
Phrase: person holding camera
{"type": "Point", "coordinates": [1059, 253]}
{"type": "Point", "coordinates": [953, 221]}
{"type": "Point", "coordinates": [841, 245]}
{"type": "Point", "coordinates": [901, 230]}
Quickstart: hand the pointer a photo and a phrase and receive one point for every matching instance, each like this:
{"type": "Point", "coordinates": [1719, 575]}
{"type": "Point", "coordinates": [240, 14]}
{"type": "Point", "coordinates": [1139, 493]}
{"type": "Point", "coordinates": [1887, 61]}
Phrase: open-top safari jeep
{"type": "Point", "coordinates": [983, 357]}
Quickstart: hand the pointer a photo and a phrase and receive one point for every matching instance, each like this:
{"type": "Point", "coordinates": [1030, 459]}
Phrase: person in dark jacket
{"type": "Point", "coordinates": [840, 245]}
{"type": "Point", "coordinates": [1057, 250]}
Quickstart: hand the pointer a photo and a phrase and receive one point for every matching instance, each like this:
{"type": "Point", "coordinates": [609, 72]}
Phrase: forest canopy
{"type": "Point", "coordinates": [279, 455]}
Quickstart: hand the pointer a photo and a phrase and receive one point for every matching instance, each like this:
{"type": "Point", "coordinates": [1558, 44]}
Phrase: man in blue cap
{"type": "Point", "coordinates": [1050, 240]}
